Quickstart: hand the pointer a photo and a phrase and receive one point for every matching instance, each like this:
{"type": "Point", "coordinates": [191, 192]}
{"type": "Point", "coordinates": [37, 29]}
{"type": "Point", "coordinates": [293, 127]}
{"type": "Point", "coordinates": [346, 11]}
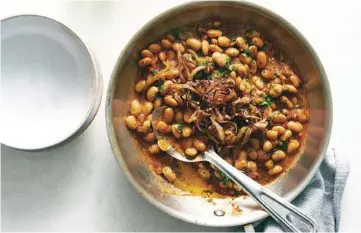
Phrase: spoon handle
{"type": "Point", "coordinates": [281, 210]}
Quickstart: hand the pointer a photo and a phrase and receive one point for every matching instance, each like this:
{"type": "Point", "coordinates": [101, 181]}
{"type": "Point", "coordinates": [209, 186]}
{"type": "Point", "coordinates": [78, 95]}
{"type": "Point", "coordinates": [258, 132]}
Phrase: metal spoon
{"type": "Point", "coordinates": [274, 205]}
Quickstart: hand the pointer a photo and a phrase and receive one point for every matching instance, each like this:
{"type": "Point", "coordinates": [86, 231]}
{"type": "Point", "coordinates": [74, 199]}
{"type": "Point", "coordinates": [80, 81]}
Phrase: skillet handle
{"type": "Point", "coordinates": [281, 210]}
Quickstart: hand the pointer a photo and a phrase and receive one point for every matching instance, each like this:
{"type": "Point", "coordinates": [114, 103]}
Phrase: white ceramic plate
{"type": "Point", "coordinates": [51, 89]}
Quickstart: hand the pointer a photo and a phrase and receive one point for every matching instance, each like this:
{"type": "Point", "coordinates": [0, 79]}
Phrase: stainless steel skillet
{"type": "Point", "coordinates": [196, 209]}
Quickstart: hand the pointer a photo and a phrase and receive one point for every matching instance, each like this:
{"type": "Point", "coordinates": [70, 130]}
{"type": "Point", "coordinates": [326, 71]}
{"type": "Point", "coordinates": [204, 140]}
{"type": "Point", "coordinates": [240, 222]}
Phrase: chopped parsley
{"type": "Point", "coordinates": [250, 31]}
{"type": "Point", "coordinates": [161, 87]}
{"type": "Point", "coordinates": [199, 53]}
{"type": "Point", "coordinates": [175, 32]}
{"type": "Point", "coordinates": [275, 75]}
{"type": "Point", "coordinates": [284, 146]}
{"type": "Point", "coordinates": [228, 61]}
{"type": "Point", "coordinates": [241, 122]}
{"type": "Point", "coordinates": [223, 71]}
{"type": "Point", "coordinates": [179, 34]}
{"type": "Point", "coordinates": [245, 53]}
{"type": "Point", "coordinates": [224, 179]}
{"type": "Point", "coordinates": [158, 96]}
{"type": "Point", "coordinates": [158, 83]}
{"type": "Point", "coordinates": [201, 75]}
{"type": "Point", "coordinates": [226, 69]}
{"type": "Point", "coordinates": [267, 102]}
{"type": "Point", "coordinates": [154, 72]}
{"type": "Point", "coordinates": [203, 63]}
{"type": "Point", "coordinates": [180, 126]}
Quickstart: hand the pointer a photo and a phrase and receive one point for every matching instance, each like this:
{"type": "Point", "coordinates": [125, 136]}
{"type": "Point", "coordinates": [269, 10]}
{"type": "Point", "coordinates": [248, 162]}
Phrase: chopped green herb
{"type": "Point", "coordinates": [203, 63]}
{"type": "Point", "coordinates": [240, 122]}
{"type": "Point", "coordinates": [223, 71]}
{"type": "Point", "coordinates": [200, 54]}
{"type": "Point", "coordinates": [245, 54]}
{"type": "Point", "coordinates": [208, 76]}
{"type": "Point", "coordinates": [161, 87]}
{"type": "Point", "coordinates": [267, 102]}
{"type": "Point", "coordinates": [228, 64]}
{"type": "Point", "coordinates": [265, 45]}
{"type": "Point", "coordinates": [175, 32]}
{"type": "Point", "coordinates": [158, 83]}
{"type": "Point", "coordinates": [284, 146]}
{"type": "Point", "coordinates": [250, 31]}
{"type": "Point", "coordinates": [154, 72]}
{"type": "Point", "coordinates": [224, 179]}
{"type": "Point", "coordinates": [275, 75]}
{"type": "Point", "coordinates": [180, 126]}
{"type": "Point", "coordinates": [228, 60]}
{"type": "Point", "coordinates": [201, 75]}
{"type": "Point", "coordinates": [158, 96]}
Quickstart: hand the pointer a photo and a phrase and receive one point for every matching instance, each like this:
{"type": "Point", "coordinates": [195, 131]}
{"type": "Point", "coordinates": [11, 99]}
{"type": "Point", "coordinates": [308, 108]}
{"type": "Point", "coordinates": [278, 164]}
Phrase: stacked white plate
{"type": "Point", "coordinates": [50, 86]}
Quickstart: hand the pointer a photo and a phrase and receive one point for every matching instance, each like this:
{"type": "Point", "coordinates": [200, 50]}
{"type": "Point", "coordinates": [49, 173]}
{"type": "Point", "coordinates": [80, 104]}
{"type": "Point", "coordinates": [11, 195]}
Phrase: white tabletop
{"type": "Point", "coordinates": [79, 187]}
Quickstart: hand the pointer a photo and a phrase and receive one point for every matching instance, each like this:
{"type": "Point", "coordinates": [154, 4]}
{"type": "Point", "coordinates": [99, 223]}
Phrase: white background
{"type": "Point", "coordinates": [80, 187]}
